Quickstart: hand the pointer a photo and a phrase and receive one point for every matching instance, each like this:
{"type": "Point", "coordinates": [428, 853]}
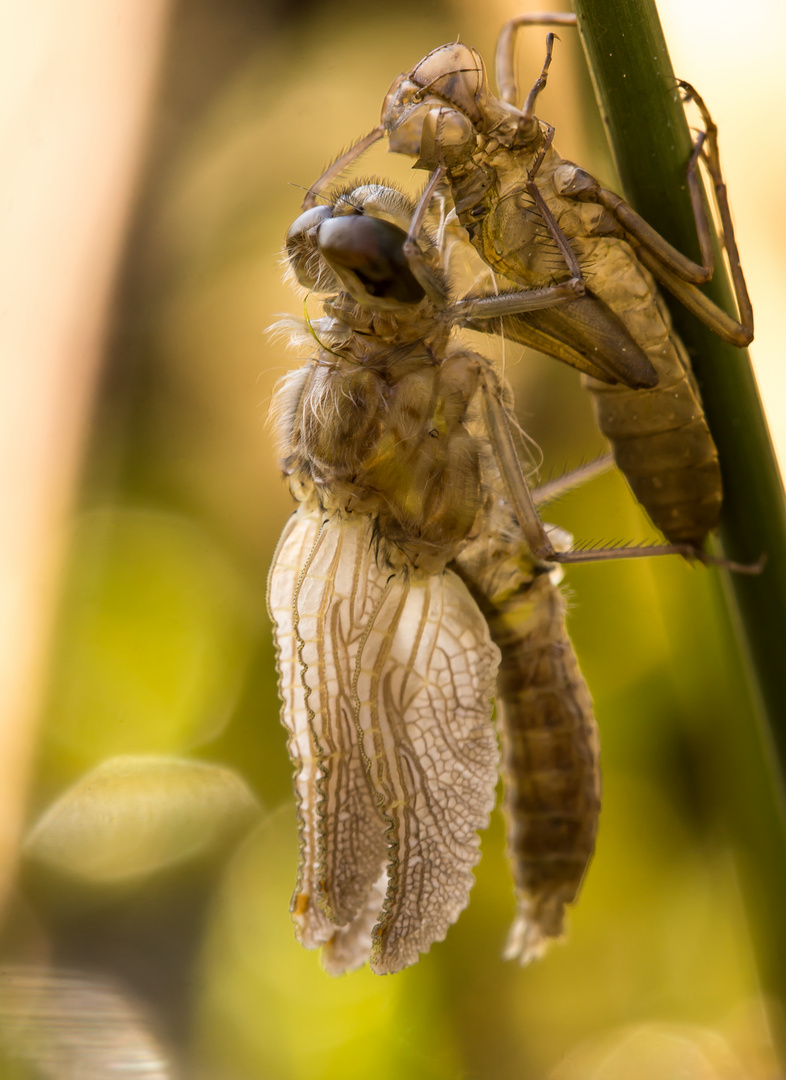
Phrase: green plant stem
{"type": "Point", "coordinates": [651, 142]}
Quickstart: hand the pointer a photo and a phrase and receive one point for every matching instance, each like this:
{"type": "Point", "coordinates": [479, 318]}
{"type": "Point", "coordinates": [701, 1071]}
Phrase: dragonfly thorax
{"type": "Point", "coordinates": [388, 440]}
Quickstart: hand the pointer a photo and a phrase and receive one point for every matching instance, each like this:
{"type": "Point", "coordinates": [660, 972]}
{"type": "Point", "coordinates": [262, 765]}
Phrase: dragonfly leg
{"type": "Point", "coordinates": [489, 307]}
{"type": "Point", "coordinates": [335, 170]}
{"type": "Point", "coordinates": [498, 426]}
{"type": "Point", "coordinates": [675, 271]}
{"type": "Point", "coordinates": [554, 489]}
{"type": "Point", "coordinates": [412, 252]}
{"type": "Point", "coordinates": [736, 332]}
{"type": "Point", "coordinates": [706, 148]}
{"type": "Point", "coordinates": [522, 503]}
{"type": "Point", "coordinates": [647, 551]}
{"type": "Point", "coordinates": [506, 48]}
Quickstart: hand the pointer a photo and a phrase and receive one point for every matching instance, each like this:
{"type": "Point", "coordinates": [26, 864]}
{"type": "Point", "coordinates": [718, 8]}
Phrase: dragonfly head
{"type": "Point", "coordinates": [448, 90]}
{"type": "Point", "coordinates": [456, 75]}
{"type": "Point", "coordinates": [356, 244]}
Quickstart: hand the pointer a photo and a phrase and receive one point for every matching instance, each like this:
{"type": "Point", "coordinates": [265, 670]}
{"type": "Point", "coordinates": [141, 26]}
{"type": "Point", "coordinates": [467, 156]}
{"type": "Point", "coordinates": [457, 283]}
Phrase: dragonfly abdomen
{"type": "Point", "coordinates": [551, 765]}
{"type": "Point", "coordinates": [550, 745]}
{"type": "Point", "coordinates": [659, 436]}
{"type": "Point", "coordinates": [663, 445]}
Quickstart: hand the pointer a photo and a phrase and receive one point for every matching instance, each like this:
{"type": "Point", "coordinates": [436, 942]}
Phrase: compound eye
{"type": "Point", "coordinates": [366, 254]}
{"type": "Point", "coordinates": [302, 246]}
{"type": "Point", "coordinates": [308, 222]}
{"type": "Point", "coordinates": [447, 138]}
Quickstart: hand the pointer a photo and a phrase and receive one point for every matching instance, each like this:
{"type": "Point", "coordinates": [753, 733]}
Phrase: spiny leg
{"type": "Point", "coordinates": [335, 170]}
{"type": "Point", "coordinates": [506, 47]}
{"type": "Point", "coordinates": [706, 148]}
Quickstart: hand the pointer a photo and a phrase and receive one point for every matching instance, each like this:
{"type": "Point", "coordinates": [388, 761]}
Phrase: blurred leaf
{"type": "Point", "coordinates": [154, 636]}
{"type": "Point", "coordinates": [133, 816]}
{"type": "Point", "coordinates": [68, 1026]}
{"type": "Point", "coordinates": [652, 1052]}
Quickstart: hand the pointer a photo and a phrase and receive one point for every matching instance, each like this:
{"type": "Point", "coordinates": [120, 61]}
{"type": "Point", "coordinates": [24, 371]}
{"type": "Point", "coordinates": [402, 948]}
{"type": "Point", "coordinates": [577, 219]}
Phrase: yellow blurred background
{"type": "Point", "coordinates": [161, 644]}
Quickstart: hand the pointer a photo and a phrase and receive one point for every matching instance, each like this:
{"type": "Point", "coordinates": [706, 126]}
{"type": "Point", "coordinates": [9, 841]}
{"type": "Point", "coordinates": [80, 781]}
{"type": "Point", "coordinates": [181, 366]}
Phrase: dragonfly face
{"type": "Point", "coordinates": [346, 246]}
{"type": "Point", "coordinates": [443, 111]}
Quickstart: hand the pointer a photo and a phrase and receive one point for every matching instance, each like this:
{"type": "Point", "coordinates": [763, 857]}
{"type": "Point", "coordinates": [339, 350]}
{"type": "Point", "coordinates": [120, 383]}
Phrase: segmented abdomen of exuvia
{"type": "Point", "coordinates": [550, 745]}
{"type": "Point", "coordinates": [660, 437]}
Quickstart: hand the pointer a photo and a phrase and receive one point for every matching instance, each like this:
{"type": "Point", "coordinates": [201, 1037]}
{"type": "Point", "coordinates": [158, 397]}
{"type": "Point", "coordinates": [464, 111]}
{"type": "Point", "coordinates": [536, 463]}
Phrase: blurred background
{"type": "Point", "coordinates": [156, 154]}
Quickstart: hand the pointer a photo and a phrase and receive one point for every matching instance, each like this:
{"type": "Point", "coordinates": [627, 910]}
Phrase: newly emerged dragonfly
{"type": "Point", "coordinates": [546, 225]}
{"type": "Point", "coordinates": [405, 580]}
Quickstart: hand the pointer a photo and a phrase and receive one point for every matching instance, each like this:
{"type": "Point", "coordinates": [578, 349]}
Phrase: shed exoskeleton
{"type": "Point", "coordinates": [549, 227]}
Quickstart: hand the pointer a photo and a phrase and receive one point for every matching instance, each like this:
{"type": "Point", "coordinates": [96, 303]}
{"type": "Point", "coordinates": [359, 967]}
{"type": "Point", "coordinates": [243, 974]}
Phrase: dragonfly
{"type": "Point", "coordinates": [548, 227]}
{"type": "Point", "coordinates": [405, 594]}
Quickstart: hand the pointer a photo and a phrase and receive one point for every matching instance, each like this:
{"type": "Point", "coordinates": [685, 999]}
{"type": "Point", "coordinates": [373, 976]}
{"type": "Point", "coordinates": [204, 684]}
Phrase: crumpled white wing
{"type": "Point", "coordinates": [386, 678]}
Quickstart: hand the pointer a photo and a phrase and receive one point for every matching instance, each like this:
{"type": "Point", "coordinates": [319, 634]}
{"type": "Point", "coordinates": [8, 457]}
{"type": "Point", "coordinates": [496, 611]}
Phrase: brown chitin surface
{"type": "Point", "coordinates": [659, 436]}
{"type": "Point", "coordinates": [550, 746]}
{"type": "Point", "coordinates": [618, 327]}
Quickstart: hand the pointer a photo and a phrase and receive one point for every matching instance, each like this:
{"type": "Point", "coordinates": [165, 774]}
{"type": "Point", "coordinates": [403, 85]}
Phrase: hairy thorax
{"type": "Point", "coordinates": [388, 438]}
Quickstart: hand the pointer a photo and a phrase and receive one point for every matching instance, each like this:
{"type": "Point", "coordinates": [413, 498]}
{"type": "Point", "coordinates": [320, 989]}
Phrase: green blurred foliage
{"type": "Point", "coordinates": [131, 817]}
{"type": "Point", "coordinates": [156, 635]}
{"type": "Point", "coordinates": [164, 645]}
